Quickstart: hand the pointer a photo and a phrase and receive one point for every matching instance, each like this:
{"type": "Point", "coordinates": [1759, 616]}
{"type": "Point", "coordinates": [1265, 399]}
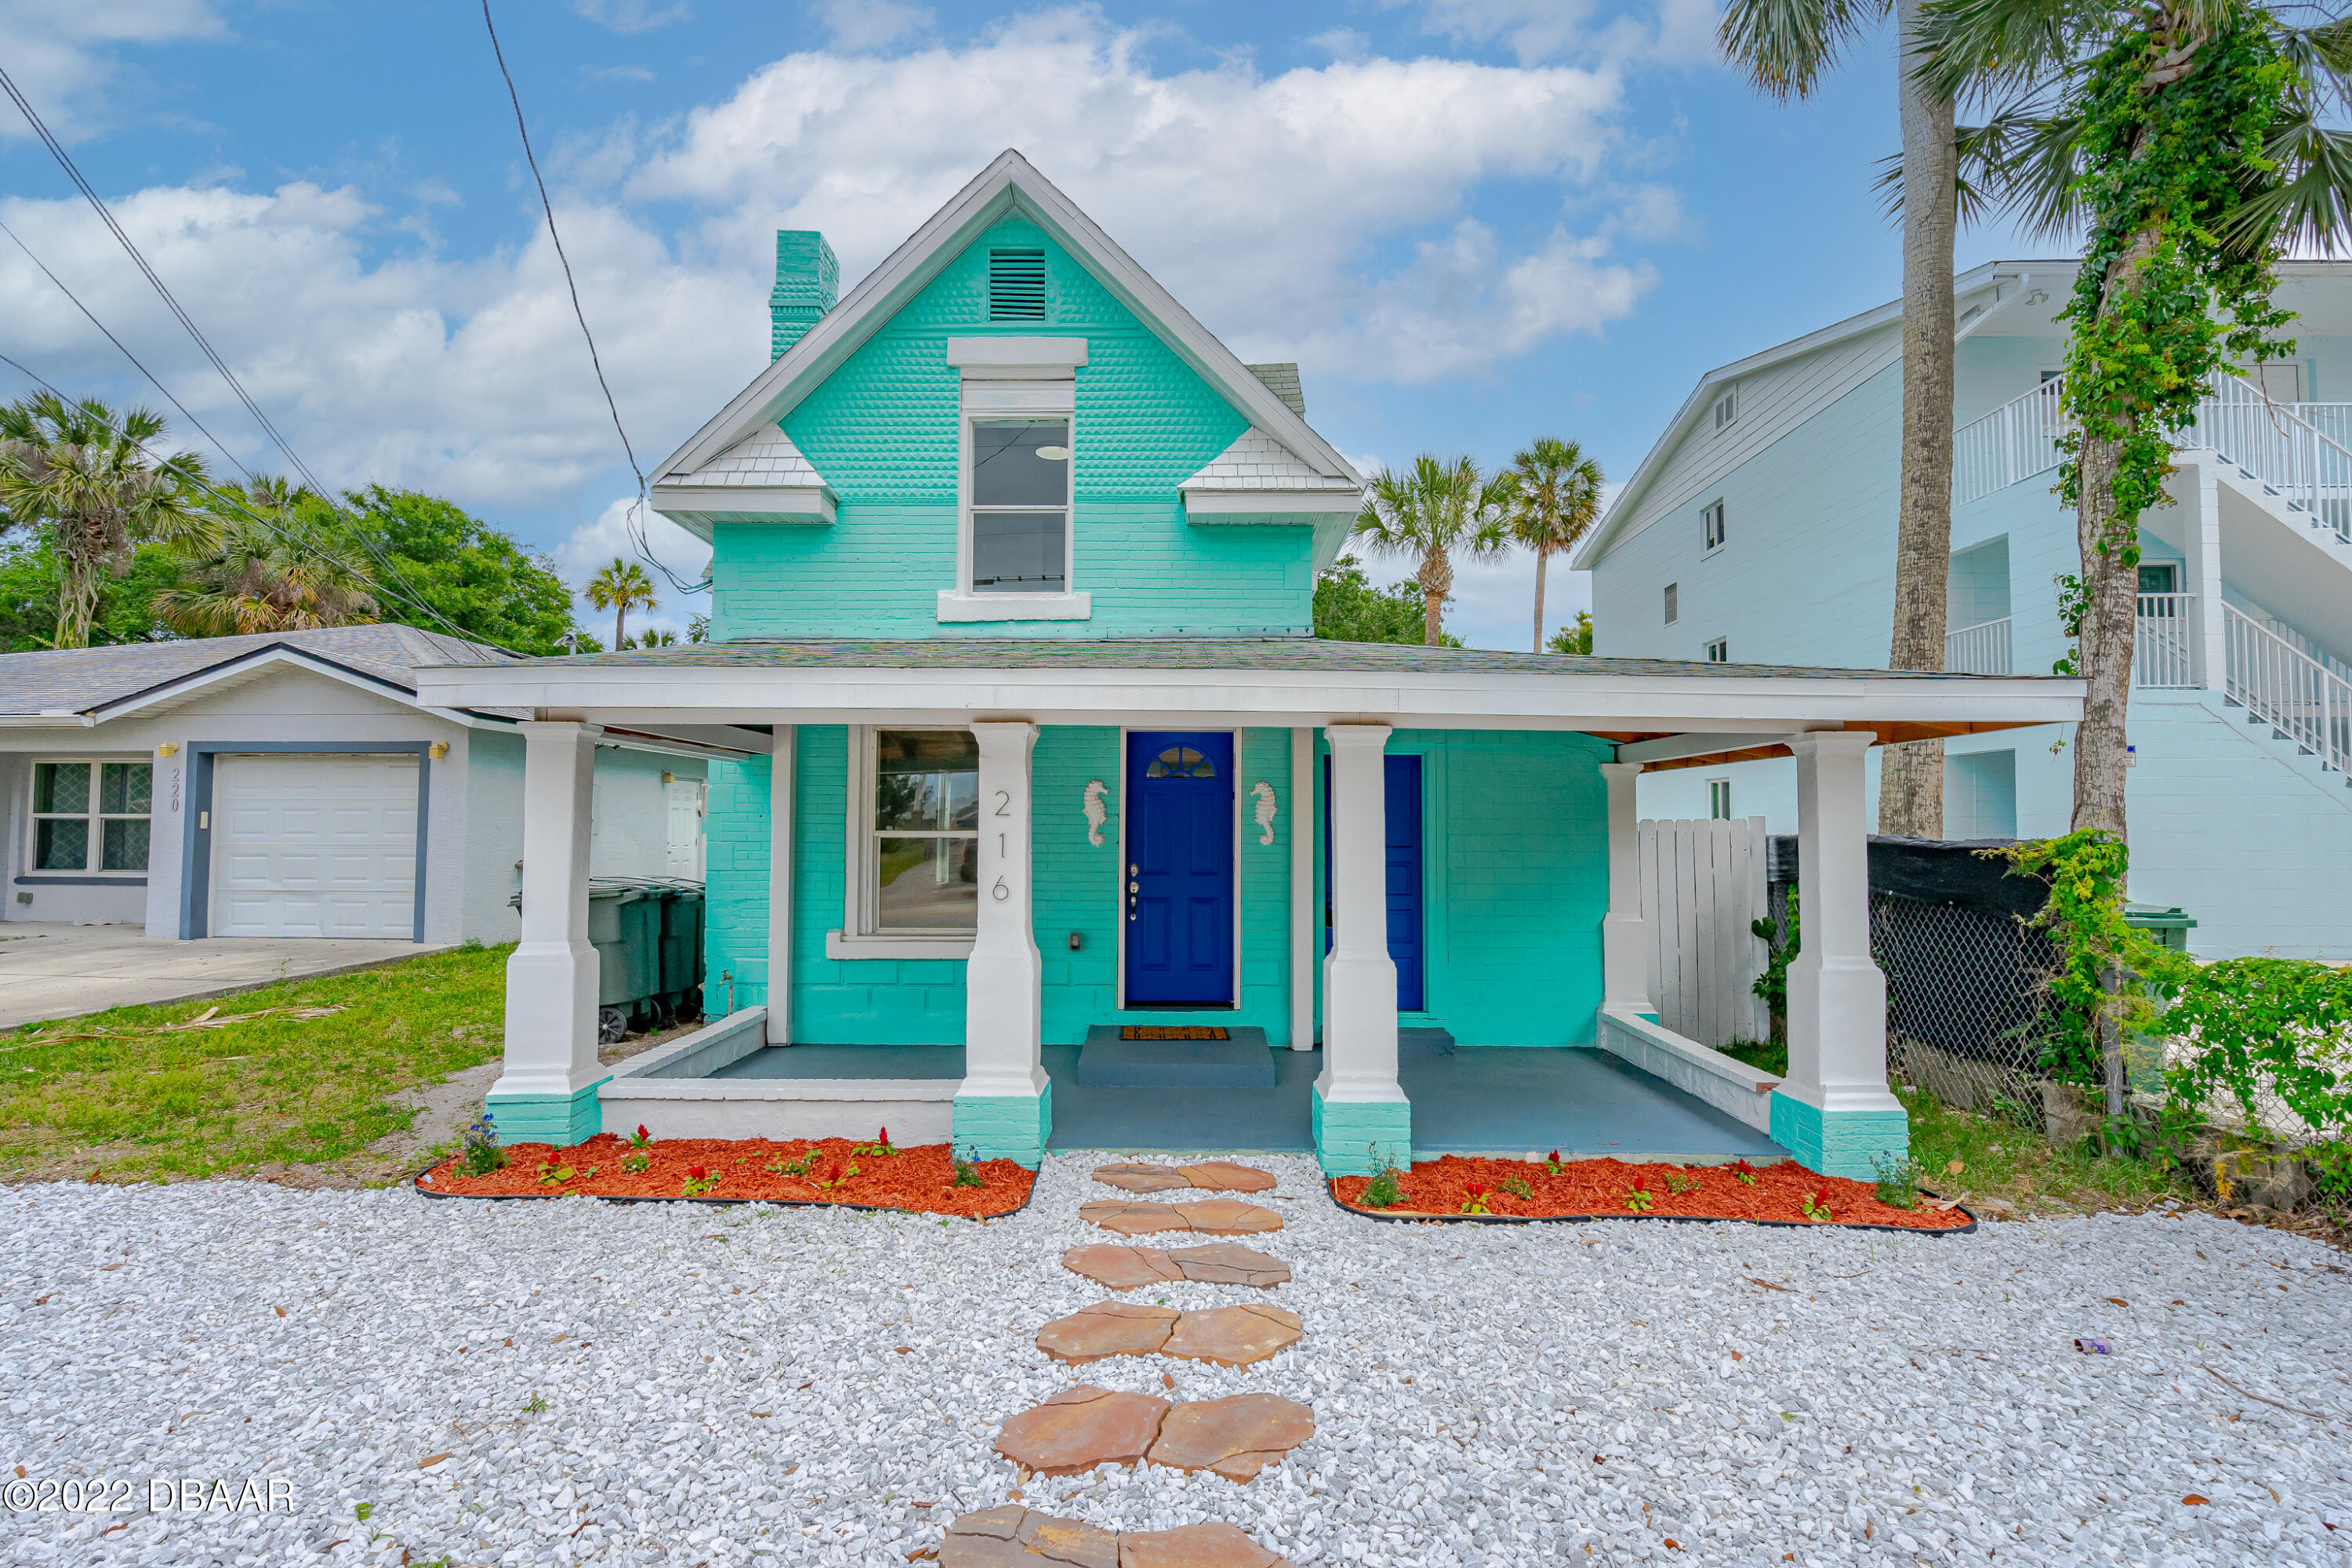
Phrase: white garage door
{"type": "Point", "coordinates": [314, 844]}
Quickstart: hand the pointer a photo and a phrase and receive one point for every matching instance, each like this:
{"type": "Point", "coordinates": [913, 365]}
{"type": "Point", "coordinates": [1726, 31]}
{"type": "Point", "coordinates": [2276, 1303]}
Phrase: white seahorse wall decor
{"type": "Point", "coordinates": [1095, 815]}
{"type": "Point", "coordinates": [1263, 792]}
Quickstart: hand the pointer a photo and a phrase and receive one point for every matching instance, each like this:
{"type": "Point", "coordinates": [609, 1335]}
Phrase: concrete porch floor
{"type": "Point", "coordinates": [1584, 1102]}
{"type": "Point", "coordinates": [56, 970]}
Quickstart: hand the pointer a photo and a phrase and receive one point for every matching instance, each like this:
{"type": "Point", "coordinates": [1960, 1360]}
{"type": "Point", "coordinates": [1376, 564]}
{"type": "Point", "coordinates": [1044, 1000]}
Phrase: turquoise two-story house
{"type": "Point", "coordinates": [1043, 784]}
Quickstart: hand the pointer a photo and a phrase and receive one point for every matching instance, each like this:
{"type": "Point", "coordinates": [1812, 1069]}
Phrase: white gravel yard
{"type": "Point", "coordinates": [681, 1385]}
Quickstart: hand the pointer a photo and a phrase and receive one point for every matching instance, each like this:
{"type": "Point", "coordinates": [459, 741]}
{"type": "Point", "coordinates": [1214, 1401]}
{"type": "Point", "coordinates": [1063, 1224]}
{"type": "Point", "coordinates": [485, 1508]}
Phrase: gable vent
{"type": "Point", "coordinates": [1016, 285]}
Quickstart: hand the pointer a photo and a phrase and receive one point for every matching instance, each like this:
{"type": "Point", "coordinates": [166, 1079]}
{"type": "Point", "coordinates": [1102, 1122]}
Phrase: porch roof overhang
{"type": "Point", "coordinates": [1728, 712]}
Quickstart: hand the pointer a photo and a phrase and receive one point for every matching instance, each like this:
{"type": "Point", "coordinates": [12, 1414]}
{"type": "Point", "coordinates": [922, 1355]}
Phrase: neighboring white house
{"type": "Point", "coordinates": [292, 785]}
{"type": "Point", "coordinates": [1761, 528]}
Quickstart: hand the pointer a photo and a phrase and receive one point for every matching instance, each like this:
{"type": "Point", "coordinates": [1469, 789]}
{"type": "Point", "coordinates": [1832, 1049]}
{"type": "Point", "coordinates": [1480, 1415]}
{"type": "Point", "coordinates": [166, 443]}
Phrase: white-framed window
{"type": "Point", "coordinates": [89, 816]}
{"type": "Point", "coordinates": [914, 814]}
{"type": "Point", "coordinates": [1710, 526]}
{"type": "Point", "coordinates": [1673, 608]}
{"type": "Point", "coordinates": [1719, 799]}
{"type": "Point", "coordinates": [1018, 514]}
{"type": "Point", "coordinates": [1718, 651]}
{"type": "Point", "coordinates": [1726, 407]}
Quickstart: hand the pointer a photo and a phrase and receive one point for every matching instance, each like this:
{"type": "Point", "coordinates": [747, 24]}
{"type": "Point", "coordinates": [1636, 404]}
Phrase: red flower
{"type": "Point", "coordinates": [1555, 1156]}
{"type": "Point", "coordinates": [883, 1137]}
{"type": "Point", "coordinates": [696, 1173]}
{"type": "Point", "coordinates": [1476, 1189]}
{"type": "Point", "coordinates": [1641, 1183]}
{"type": "Point", "coordinates": [641, 1131]}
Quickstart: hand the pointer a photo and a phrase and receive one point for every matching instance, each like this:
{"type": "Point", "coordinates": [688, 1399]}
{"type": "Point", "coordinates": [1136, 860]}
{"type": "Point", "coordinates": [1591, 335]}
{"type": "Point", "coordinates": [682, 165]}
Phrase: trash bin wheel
{"type": "Point", "coordinates": [611, 1026]}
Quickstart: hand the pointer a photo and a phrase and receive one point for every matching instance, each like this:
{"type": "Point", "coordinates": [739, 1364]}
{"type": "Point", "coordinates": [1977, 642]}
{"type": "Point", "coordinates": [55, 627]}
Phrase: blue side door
{"type": "Point", "coordinates": [1180, 871]}
{"type": "Point", "coordinates": [1401, 781]}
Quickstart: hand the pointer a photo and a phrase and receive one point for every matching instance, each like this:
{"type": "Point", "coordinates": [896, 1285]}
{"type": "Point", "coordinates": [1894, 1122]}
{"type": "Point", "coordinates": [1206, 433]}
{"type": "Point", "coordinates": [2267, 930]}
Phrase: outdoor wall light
{"type": "Point", "coordinates": [438, 749]}
{"type": "Point", "coordinates": [168, 749]}
{"type": "Point", "coordinates": [1078, 940]}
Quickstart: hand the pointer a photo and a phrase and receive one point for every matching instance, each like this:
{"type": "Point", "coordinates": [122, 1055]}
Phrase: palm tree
{"type": "Point", "coordinates": [2189, 141]}
{"type": "Point", "coordinates": [1556, 499]}
{"type": "Point", "coordinates": [1435, 510]}
{"type": "Point", "coordinates": [88, 475]}
{"type": "Point", "coordinates": [1787, 47]}
{"type": "Point", "coordinates": [275, 568]}
{"type": "Point", "coordinates": [621, 587]}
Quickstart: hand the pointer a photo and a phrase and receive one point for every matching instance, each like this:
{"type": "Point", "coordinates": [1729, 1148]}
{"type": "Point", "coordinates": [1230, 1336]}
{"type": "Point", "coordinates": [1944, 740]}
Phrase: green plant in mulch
{"type": "Point", "coordinates": [640, 1139]}
{"type": "Point", "coordinates": [1516, 1186]}
{"type": "Point", "coordinates": [1744, 1172]}
{"type": "Point", "coordinates": [834, 1176]}
{"type": "Point", "coordinates": [1475, 1196]}
{"type": "Point", "coordinates": [967, 1172]}
{"type": "Point", "coordinates": [1898, 1181]}
{"type": "Point", "coordinates": [1381, 1191]}
{"type": "Point", "coordinates": [800, 1167]}
{"type": "Point", "coordinates": [1554, 1163]}
{"type": "Point", "coordinates": [1639, 1199]}
{"type": "Point", "coordinates": [1816, 1207]}
{"type": "Point", "coordinates": [1679, 1181]}
{"type": "Point", "coordinates": [482, 1154]}
{"type": "Point", "coordinates": [700, 1179]}
{"type": "Point", "coordinates": [551, 1174]}
{"type": "Point", "coordinates": [636, 1164]}
{"type": "Point", "coordinates": [1781, 945]}
{"type": "Point", "coordinates": [879, 1148]}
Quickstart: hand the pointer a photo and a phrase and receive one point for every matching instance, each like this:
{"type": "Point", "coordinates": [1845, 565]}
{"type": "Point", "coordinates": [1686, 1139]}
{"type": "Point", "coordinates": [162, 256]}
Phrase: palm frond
{"type": "Point", "coordinates": [2308, 209]}
{"type": "Point", "coordinates": [1787, 46]}
{"type": "Point", "coordinates": [1998, 48]}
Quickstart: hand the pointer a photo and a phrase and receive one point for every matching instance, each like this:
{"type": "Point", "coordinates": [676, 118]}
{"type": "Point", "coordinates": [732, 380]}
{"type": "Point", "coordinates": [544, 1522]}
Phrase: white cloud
{"type": "Point", "coordinates": [592, 546]}
{"type": "Point", "coordinates": [616, 73]}
{"type": "Point", "coordinates": [67, 59]}
{"type": "Point", "coordinates": [1663, 32]}
{"type": "Point", "coordinates": [857, 24]}
{"type": "Point", "coordinates": [632, 15]}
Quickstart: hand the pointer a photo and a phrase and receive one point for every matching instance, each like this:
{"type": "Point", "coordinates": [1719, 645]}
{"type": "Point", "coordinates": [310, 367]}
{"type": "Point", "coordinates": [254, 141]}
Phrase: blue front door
{"type": "Point", "coordinates": [1180, 873]}
{"type": "Point", "coordinates": [1401, 804]}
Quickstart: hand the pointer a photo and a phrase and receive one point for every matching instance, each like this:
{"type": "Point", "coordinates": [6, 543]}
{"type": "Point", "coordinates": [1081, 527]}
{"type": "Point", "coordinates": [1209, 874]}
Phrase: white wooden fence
{"type": "Point", "coordinates": [1702, 884]}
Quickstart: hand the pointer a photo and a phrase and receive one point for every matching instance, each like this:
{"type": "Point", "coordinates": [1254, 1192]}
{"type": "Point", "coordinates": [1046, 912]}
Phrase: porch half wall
{"type": "Point", "coordinates": [1516, 883]}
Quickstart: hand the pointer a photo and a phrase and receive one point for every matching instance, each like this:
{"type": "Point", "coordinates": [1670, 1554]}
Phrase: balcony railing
{"type": "Point", "coordinates": [2164, 645]}
{"type": "Point", "coordinates": [1980, 649]}
{"type": "Point", "coordinates": [2286, 688]}
{"type": "Point", "coordinates": [2015, 441]}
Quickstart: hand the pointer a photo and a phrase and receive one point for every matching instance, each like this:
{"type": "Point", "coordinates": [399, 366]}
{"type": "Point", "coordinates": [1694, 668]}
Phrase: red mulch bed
{"type": "Point", "coordinates": [1438, 1189]}
{"type": "Point", "coordinates": [919, 1179]}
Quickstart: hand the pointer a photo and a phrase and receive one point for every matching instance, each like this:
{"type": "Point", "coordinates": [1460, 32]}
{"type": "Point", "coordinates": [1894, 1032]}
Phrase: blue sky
{"type": "Point", "coordinates": [1470, 223]}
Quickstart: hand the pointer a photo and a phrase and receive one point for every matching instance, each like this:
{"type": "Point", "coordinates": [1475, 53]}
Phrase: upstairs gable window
{"type": "Point", "coordinates": [1016, 285]}
{"type": "Point", "coordinates": [1710, 526]}
{"type": "Point", "coordinates": [1020, 506]}
{"type": "Point", "coordinates": [1727, 408]}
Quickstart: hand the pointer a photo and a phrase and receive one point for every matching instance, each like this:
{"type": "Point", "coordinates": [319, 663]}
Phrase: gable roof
{"type": "Point", "coordinates": [1628, 502]}
{"type": "Point", "coordinates": [1010, 185]}
{"type": "Point", "coordinates": [86, 684]}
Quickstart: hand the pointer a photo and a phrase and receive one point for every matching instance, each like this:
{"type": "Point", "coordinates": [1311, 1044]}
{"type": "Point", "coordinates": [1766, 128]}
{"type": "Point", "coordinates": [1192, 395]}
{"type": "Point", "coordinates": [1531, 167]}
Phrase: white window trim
{"type": "Point", "coordinates": [1671, 606]}
{"type": "Point", "coordinates": [989, 399]}
{"type": "Point", "coordinates": [1714, 643]}
{"type": "Point", "coordinates": [1713, 786]}
{"type": "Point", "coordinates": [96, 849]}
{"type": "Point", "coordinates": [1725, 412]}
{"type": "Point", "coordinates": [1722, 529]}
{"type": "Point", "coordinates": [854, 940]}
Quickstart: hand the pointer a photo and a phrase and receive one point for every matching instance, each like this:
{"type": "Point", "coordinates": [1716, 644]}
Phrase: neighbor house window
{"type": "Point", "coordinates": [921, 870]}
{"type": "Point", "coordinates": [1674, 611]}
{"type": "Point", "coordinates": [1710, 526]}
{"type": "Point", "coordinates": [1020, 506]}
{"type": "Point", "coordinates": [1719, 651]}
{"type": "Point", "coordinates": [90, 816]}
{"type": "Point", "coordinates": [1727, 408]}
{"type": "Point", "coordinates": [1719, 799]}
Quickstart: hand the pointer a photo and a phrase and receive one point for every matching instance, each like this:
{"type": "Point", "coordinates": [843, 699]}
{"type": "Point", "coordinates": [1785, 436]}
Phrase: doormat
{"type": "Point", "coordinates": [1172, 1032]}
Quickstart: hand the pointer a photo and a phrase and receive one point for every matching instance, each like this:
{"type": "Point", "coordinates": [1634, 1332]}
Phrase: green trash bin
{"type": "Point", "coordinates": [681, 948]}
{"type": "Point", "coordinates": [2169, 928]}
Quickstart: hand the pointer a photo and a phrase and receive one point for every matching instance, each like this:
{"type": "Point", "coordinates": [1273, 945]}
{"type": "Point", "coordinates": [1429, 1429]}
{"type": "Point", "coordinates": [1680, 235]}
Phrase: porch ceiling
{"type": "Point", "coordinates": [1246, 681]}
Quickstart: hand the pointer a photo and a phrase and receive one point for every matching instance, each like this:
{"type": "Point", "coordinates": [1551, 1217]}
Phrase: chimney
{"type": "Point", "coordinates": [807, 278]}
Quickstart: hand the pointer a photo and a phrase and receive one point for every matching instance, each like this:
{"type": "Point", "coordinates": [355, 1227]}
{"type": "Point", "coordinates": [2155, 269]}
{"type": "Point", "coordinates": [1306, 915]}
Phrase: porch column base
{"type": "Point", "coordinates": [1004, 1126]}
{"type": "Point", "coordinates": [1840, 1142]}
{"type": "Point", "coordinates": [1358, 1137]}
{"type": "Point", "coordinates": [561, 1120]}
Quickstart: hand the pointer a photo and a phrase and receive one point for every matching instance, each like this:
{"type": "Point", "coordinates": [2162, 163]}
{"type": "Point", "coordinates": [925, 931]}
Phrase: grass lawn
{"type": "Point", "coordinates": [143, 1103]}
{"type": "Point", "coordinates": [2002, 1160]}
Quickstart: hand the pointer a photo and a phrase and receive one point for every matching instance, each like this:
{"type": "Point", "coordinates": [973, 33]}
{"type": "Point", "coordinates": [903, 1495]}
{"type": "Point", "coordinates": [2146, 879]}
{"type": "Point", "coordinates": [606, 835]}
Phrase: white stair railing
{"type": "Point", "coordinates": [2280, 685]}
{"type": "Point", "coordinates": [2163, 642]}
{"type": "Point", "coordinates": [1980, 649]}
{"type": "Point", "coordinates": [2015, 441]}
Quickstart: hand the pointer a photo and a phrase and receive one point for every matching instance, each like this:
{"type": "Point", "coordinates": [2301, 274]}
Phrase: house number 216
{"type": "Point", "coordinates": [1001, 891]}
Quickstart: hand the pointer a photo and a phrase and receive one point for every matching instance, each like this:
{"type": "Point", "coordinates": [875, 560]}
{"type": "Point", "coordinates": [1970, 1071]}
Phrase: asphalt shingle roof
{"type": "Point", "coordinates": [75, 681]}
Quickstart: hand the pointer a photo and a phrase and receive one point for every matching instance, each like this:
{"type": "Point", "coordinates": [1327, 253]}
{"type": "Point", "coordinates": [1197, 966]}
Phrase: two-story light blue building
{"type": "Point", "coordinates": [1046, 799]}
{"type": "Point", "coordinates": [1761, 526]}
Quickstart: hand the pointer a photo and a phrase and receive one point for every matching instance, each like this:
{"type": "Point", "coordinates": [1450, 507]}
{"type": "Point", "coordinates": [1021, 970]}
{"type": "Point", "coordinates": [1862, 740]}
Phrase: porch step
{"type": "Point", "coordinates": [1242, 1060]}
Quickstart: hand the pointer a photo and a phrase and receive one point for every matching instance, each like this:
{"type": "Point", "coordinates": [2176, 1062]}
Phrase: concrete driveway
{"type": "Point", "coordinates": [61, 971]}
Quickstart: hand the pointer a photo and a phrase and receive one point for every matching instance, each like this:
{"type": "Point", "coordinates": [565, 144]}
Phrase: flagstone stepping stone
{"type": "Point", "coordinates": [1108, 1328]}
{"type": "Point", "coordinates": [1083, 1426]}
{"type": "Point", "coordinates": [1228, 1216]}
{"type": "Point", "coordinates": [1224, 1175]}
{"type": "Point", "coordinates": [1235, 1437]}
{"type": "Point", "coordinates": [1142, 1178]}
{"type": "Point", "coordinates": [1227, 1263]}
{"type": "Point", "coordinates": [1229, 1336]}
{"type": "Point", "coordinates": [1133, 1219]}
{"type": "Point", "coordinates": [1126, 1268]}
{"type": "Point", "coordinates": [1016, 1537]}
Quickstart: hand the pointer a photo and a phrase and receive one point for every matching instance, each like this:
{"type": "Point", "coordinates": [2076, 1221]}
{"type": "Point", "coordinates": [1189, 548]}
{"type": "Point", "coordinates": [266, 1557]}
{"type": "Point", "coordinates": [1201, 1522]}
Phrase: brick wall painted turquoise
{"type": "Point", "coordinates": [882, 430]}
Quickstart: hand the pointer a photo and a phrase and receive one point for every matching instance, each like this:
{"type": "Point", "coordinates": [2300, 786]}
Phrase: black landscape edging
{"type": "Point", "coordinates": [1419, 1218]}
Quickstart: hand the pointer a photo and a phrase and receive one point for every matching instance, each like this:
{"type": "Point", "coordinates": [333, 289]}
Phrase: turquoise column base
{"type": "Point", "coordinates": [1840, 1142]}
{"type": "Point", "coordinates": [561, 1120]}
{"type": "Point", "coordinates": [1005, 1127]}
{"type": "Point", "coordinates": [1358, 1137]}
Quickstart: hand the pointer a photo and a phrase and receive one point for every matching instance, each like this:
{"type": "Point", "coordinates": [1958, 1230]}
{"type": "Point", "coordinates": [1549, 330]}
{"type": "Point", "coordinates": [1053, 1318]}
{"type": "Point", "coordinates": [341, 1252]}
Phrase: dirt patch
{"type": "Point", "coordinates": [1456, 1188]}
{"type": "Point", "coordinates": [829, 1170]}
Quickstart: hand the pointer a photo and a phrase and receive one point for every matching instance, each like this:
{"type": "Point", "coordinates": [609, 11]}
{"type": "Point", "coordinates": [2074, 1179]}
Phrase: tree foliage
{"type": "Point", "coordinates": [621, 585]}
{"type": "Point", "coordinates": [32, 577]}
{"type": "Point", "coordinates": [1433, 511]}
{"type": "Point", "coordinates": [1577, 638]}
{"type": "Point", "coordinates": [286, 560]}
{"type": "Point", "coordinates": [433, 552]}
{"type": "Point", "coordinates": [1555, 500]}
{"type": "Point", "coordinates": [1348, 608]}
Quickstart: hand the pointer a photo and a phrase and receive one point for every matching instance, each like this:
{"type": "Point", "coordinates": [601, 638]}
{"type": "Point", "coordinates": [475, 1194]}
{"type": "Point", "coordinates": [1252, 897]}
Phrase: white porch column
{"type": "Point", "coordinates": [1834, 1111]}
{"type": "Point", "coordinates": [2200, 500]}
{"type": "Point", "coordinates": [548, 1092]}
{"type": "Point", "coordinates": [782, 753]}
{"type": "Point", "coordinates": [1004, 1107]}
{"type": "Point", "coordinates": [1303, 794]}
{"type": "Point", "coordinates": [1625, 944]}
{"type": "Point", "coordinates": [1362, 1117]}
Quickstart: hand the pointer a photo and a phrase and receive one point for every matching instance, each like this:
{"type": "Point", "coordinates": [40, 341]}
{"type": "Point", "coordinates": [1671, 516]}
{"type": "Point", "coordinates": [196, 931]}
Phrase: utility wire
{"type": "Point", "coordinates": [636, 508]}
{"type": "Point", "coordinates": [244, 506]}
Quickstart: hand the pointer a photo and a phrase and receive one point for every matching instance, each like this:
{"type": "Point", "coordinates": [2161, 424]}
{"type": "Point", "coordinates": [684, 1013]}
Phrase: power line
{"type": "Point", "coordinates": [635, 521]}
